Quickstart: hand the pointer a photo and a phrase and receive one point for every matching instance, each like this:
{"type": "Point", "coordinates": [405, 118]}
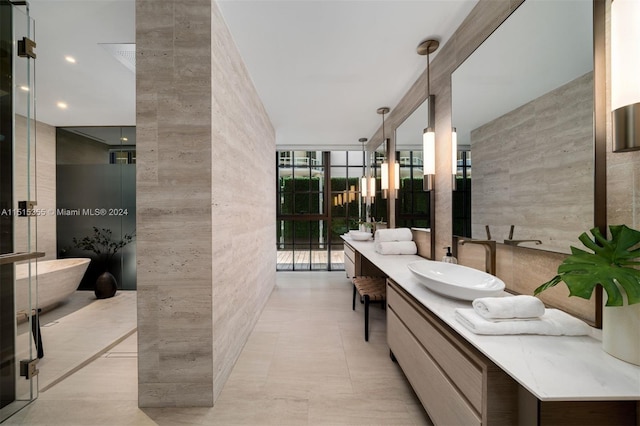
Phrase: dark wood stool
{"type": "Point", "coordinates": [371, 290]}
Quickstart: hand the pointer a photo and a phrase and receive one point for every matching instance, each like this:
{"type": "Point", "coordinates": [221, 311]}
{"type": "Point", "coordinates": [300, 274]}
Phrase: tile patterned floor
{"type": "Point", "coordinates": [306, 363]}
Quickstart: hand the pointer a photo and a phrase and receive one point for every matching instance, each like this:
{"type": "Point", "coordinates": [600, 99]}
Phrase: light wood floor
{"type": "Point", "coordinates": [305, 363]}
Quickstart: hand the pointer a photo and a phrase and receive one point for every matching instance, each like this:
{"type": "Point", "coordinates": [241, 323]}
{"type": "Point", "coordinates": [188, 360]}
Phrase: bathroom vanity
{"type": "Point", "coordinates": [464, 378]}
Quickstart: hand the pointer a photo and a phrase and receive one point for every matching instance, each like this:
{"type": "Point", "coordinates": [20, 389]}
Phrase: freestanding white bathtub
{"type": "Point", "coordinates": [57, 280]}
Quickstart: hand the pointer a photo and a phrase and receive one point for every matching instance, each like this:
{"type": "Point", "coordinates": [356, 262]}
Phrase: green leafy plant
{"type": "Point", "coordinates": [101, 242]}
{"type": "Point", "coordinates": [611, 265]}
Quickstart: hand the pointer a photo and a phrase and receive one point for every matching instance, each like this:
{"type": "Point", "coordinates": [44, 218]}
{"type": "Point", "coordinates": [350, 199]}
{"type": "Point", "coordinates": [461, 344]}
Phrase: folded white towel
{"type": "Point", "coordinates": [553, 323]}
{"type": "Point", "coordinates": [394, 234]}
{"type": "Point", "coordinates": [396, 247]}
{"type": "Point", "coordinates": [522, 306]}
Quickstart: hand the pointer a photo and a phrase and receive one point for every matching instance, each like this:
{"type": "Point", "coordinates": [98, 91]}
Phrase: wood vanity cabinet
{"type": "Point", "coordinates": [349, 261]}
{"type": "Point", "coordinates": [356, 265]}
{"type": "Point", "coordinates": [455, 383]}
{"type": "Point", "coordinates": [458, 385]}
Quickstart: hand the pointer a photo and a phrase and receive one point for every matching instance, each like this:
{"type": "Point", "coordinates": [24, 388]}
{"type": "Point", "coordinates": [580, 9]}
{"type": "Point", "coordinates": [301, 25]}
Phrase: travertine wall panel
{"type": "Point", "coordinates": [244, 205]}
{"type": "Point", "coordinates": [206, 254]}
{"type": "Point", "coordinates": [42, 186]}
{"type": "Point", "coordinates": [534, 169]}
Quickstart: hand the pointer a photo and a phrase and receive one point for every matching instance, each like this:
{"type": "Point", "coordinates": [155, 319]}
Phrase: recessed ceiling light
{"type": "Point", "coordinates": [62, 105]}
{"type": "Point", "coordinates": [70, 59]}
{"type": "Point", "coordinates": [24, 88]}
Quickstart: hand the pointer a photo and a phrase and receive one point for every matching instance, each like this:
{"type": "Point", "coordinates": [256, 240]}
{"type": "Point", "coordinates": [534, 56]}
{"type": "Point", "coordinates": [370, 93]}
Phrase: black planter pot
{"type": "Point", "coordinates": [106, 286]}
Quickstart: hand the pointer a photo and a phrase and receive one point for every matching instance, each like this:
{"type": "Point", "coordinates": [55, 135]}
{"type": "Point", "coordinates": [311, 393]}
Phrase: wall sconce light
{"type": "Point", "coordinates": [454, 157]}
{"type": "Point", "coordinates": [384, 167]}
{"type": "Point", "coordinates": [625, 69]}
{"type": "Point", "coordinates": [427, 47]}
{"type": "Point", "coordinates": [367, 185]}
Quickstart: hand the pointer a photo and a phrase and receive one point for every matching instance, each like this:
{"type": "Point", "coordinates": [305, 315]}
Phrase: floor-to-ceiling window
{"type": "Point", "coordinates": [413, 201]}
{"type": "Point", "coordinates": [461, 203]}
{"type": "Point", "coordinates": [318, 200]}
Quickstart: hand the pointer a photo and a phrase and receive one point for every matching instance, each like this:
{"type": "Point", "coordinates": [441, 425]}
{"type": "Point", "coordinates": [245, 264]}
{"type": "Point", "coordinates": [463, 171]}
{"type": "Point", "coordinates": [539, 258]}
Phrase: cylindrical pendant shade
{"type": "Point", "coordinates": [454, 151]}
{"type": "Point", "coordinates": [396, 176]}
{"type": "Point", "coordinates": [625, 69]}
{"type": "Point", "coordinates": [384, 176]}
{"type": "Point", "coordinates": [429, 151]}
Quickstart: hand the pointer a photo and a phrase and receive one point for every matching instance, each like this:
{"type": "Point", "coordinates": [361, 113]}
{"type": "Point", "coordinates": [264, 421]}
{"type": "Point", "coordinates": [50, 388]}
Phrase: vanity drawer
{"type": "Point", "coordinates": [349, 253]}
{"type": "Point", "coordinates": [349, 261]}
{"type": "Point", "coordinates": [462, 370]}
{"type": "Point", "coordinates": [439, 396]}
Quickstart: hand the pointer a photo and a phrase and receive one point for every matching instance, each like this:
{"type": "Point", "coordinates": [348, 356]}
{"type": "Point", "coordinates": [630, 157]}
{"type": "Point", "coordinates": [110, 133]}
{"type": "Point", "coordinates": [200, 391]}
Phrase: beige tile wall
{"type": "Point", "coordinates": [206, 235]}
{"type": "Point", "coordinates": [526, 181]}
{"type": "Point", "coordinates": [42, 189]}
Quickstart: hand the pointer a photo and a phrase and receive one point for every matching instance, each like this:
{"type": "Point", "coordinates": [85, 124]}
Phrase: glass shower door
{"type": "Point", "coordinates": [19, 331]}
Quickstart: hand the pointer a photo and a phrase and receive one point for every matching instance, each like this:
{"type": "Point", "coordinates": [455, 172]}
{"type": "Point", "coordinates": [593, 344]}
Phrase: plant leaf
{"type": "Point", "coordinates": [608, 265]}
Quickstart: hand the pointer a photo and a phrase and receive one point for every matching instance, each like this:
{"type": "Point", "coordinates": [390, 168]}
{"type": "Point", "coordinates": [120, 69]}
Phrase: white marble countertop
{"type": "Point", "coordinates": [553, 368]}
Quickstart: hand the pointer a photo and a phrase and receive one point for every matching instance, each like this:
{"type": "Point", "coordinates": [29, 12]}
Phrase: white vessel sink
{"type": "Point", "coordinates": [456, 281]}
{"type": "Point", "coordinates": [360, 235]}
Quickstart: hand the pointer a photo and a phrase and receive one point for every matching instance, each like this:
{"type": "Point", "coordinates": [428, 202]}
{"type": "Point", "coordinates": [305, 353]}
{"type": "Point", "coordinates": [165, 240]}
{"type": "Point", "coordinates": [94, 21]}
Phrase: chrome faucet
{"type": "Point", "coordinates": [490, 253]}
{"type": "Point", "coordinates": [512, 242]}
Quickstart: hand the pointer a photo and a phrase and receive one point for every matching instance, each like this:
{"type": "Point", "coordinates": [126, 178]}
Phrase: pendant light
{"type": "Point", "coordinates": [625, 68]}
{"type": "Point", "coordinates": [367, 185]}
{"type": "Point", "coordinates": [427, 47]}
{"type": "Point", "coordinates": [454, 156]}
{"type": "Point", "coordinates": [384, 167]}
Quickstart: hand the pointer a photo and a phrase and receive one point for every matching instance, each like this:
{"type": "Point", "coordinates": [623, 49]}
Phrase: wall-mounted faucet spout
{"type": "Point", "coordinates": [490, 253]}
{"type": "Point", "coordinates": [517, 242]}
{"type": "Point", "coordinates": [512, 242]}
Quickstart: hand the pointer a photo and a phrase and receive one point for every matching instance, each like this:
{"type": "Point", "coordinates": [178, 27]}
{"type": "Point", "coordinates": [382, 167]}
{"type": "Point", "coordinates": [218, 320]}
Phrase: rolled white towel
{"type": "Point", "coordinates": [499, 308]}
{"type": "Point", "coordinates": [396, 247]}
{"type": "Point", "coordinates": [394, 234]}
{"type": "Point", "coordinates": [554, 322]}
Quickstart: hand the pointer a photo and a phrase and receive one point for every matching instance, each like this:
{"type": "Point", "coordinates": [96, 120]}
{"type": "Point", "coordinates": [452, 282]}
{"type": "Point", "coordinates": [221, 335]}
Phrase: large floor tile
{"type": "Point", "coordinates": [305, 363]}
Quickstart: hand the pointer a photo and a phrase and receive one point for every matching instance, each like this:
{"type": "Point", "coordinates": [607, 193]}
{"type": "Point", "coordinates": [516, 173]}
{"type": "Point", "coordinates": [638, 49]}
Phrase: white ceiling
{"type": "Point", "coordinates": [321, 67]}
{"type": "Point", "coordinates": [98, 89]}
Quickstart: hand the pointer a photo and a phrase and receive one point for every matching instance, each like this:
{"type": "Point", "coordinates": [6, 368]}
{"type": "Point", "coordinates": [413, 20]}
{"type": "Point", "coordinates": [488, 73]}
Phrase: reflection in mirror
{"type": "Point", "coordinates": [378, 210]}
{"type": "Point", "coordinates": [523, 103]}
{"type": "Point", "coordinates": [413, 203]}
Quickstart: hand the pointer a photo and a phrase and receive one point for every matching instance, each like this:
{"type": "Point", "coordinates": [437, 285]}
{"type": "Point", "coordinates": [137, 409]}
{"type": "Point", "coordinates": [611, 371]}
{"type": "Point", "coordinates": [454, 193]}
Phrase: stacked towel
{"type": "Point", "coordinates": [553, 323]}
{"type": "Point", "coordinates": [507, 308]}
{"type": "Point", "coordinates": [395, 234]}
{"type": "Point", "coordinates": [396, 247]}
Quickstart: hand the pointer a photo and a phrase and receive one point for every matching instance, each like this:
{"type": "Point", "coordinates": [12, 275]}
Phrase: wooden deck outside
{"type": "Point", "coordinates": [289, 260]}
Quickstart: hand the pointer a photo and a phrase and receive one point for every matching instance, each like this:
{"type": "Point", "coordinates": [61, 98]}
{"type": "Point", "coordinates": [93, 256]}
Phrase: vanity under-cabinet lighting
{"type": "Point", "coordinates": [625, 68]}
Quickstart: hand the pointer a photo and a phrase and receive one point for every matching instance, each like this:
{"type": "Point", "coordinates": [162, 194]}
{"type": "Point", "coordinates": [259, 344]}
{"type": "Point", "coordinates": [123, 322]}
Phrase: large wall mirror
{"type": "Point", "coordinates": [413, 204]}
{"type": "Point", "coordinates": [523, 106]}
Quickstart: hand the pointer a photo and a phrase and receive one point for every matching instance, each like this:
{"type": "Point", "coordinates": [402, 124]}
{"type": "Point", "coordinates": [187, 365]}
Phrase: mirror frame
{"type": "Point", "coordinates": [598, 110]}
{"type": "Point", "coordinates": [599, 130]}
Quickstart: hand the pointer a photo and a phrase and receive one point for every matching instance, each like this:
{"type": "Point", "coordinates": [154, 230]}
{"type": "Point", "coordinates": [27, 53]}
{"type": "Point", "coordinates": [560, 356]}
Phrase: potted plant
{"type": "Point", "coordinates": [101, 243]}
{"type": "Point", "coordinates": [613, 264]}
